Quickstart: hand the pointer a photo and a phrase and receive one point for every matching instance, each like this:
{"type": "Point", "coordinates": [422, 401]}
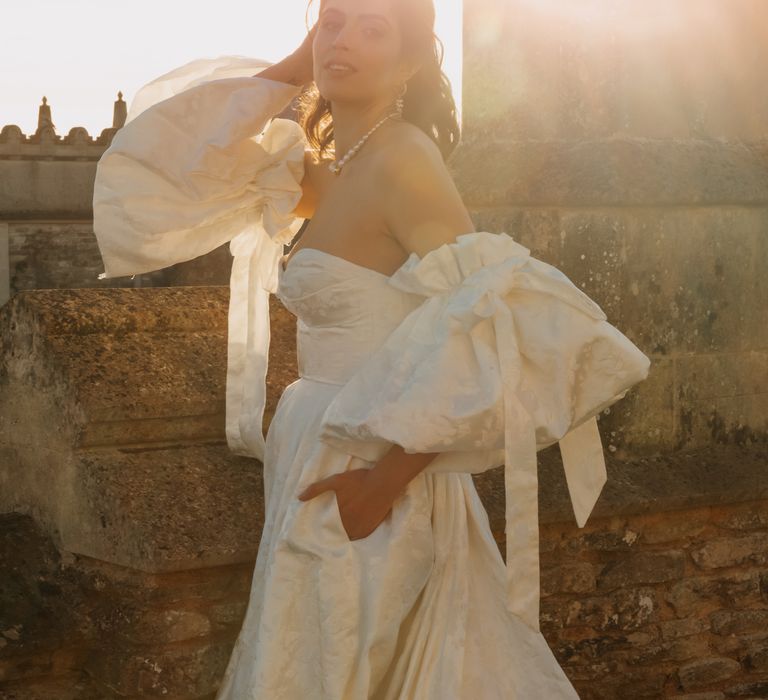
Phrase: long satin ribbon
{"type": "Point", "coordinates": [583, 462]}
{"type": "Point", "coordinates": [255, 258]}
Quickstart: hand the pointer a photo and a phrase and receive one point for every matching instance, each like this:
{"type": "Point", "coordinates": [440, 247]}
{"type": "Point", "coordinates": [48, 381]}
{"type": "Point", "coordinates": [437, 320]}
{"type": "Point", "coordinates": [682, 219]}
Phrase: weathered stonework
{"type": "Point", "coordinates": [627, 155]}
{"type": "Point", "coordinates": [618, 147]}
{"type": "Point", "coordinates": [632, 614]}
{"type": "Point", "coordinates": [46, 214]}
{"type": "Point", "coordinates": [112, 440]}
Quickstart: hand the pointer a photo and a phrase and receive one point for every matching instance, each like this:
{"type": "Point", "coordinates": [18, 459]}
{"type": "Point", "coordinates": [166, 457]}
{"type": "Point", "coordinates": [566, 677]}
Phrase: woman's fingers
{"type": "Point", "coordinates": [318, 487]}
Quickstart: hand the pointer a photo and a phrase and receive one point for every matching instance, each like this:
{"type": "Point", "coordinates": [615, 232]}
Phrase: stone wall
{"type": "Point", "coordinates": [145, 525]}
{"type": "Point", "coordinates": [46, 213]}
{"type": "Point", "coordinates": [54, 255]}
{"type": "Point", "coordinates": [631, 155]}
{"type": "Point", "coordinates": [664, 592]}
{"type": "Point", "coordinates": [643, 175]}
{"type": "Point", "coordinates": [661, 605]}
{"type": "Point", "coordinates": [46, 231]}
{"type": "Point", "coordinates": [78, 628]}
{"type": "Point", "coordinates": [133, 516]}
{"type": "Point", "coordinates": [65, 255]}
{"type": "Point", "coordinates": [628, 146]}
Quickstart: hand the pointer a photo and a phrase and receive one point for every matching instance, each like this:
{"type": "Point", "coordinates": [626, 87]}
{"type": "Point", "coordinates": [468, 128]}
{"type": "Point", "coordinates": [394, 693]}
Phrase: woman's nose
{"type": "Point", "coordinates": [341, 37]}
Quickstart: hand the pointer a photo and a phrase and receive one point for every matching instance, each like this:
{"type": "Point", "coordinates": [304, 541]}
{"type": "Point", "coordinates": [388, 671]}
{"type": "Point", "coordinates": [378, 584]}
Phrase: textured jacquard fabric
{"type": "Point", "coordinates": [476, 350]}
{"type": "Point", "coordinates": [414, 611]}
{"type": "Point", "coordinates": [504, 356]}
{"type": "Point", "coordinates": [203, 160]}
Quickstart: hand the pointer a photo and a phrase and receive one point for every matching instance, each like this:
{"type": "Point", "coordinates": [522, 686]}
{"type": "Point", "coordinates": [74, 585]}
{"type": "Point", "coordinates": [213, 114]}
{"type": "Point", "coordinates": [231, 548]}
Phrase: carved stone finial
{"type": "Point", "coordinates": [120, 112]}
{"type": "Point", "coordinates": [44, 121]}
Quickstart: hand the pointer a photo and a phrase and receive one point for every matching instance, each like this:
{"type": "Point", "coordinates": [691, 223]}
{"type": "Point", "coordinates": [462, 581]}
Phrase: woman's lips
{"type": "Point", "coordinates": [340, 73]}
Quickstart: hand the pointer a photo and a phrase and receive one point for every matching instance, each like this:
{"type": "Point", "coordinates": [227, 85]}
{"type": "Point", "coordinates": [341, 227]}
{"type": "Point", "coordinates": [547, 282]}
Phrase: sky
{"type": "Point", "coordinates": [79, 53]}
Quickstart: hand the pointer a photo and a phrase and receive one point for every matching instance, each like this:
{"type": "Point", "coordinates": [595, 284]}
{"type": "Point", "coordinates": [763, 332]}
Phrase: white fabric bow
{"type": "Point", "coordinates": [202, 160]}
{"type": "Point", "coordinates": [504, 357]}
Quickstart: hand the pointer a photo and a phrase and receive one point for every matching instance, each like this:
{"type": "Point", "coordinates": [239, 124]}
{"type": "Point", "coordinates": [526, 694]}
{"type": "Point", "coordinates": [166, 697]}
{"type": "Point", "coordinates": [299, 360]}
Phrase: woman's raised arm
{"type": "Point", "coordinates": [297, 68]}
{"type": "Point", "coordinates": [203, 160]}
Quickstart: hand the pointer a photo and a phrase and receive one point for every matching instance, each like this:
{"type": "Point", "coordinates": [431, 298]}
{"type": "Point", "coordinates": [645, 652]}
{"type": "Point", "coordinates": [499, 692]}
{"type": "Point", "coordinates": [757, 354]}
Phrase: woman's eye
{"type": "Point", "coordinates": [371, 31]}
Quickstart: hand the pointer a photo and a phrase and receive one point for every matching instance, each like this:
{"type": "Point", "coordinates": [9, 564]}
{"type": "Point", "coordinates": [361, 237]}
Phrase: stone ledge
{"type": "Point", "coordinates": [716, 475]}
{"type": "Point", "coordinates": [145, 508]}
{"type": "Point", "coordinates": [152, 510]}
{"type": "Point", "coordinates": [611, 172]}
{"type": "Point", "coordinates": [160, 510]}
{"type": "Point", "coordinates": [79, 312]}
{"type": "Point", "coordinates": [126, 366]}
{"type": "Point", "coordinates": [132, 388]}
{"type": "Point", "coordinates": [109, 400]}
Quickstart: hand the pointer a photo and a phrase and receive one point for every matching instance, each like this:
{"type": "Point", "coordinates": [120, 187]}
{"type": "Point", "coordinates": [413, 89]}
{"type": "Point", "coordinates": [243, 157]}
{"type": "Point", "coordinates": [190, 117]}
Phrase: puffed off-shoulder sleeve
{"type": "Point", "coordinates": [202, 160]}
{"type": "Point", "coordinates": [504, 357]}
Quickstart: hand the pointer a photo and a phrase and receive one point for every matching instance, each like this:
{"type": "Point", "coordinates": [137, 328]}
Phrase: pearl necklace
{"type": "Point", "coordinates": [336, 166]}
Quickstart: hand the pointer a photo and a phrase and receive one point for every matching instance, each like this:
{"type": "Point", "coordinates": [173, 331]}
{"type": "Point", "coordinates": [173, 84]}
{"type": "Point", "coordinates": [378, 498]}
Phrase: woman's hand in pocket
{"type": "Point", "coordinates": [363, 502]}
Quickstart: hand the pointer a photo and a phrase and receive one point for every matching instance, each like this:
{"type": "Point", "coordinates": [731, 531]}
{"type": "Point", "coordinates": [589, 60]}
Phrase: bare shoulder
{"type": "Point", "coordinates": [422, 206]}
{"type": "Point", "coordinates": [409, 146]}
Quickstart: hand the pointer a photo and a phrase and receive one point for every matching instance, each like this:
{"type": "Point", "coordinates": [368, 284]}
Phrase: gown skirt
{"type": "Point", "coordinates": [413, 611]}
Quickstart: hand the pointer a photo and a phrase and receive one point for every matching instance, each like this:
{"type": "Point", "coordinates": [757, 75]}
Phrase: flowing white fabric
{"type": "Point", "coordinates": [201, 161]}
{"type": "Point", "coordinates": [476, 350]}
{"type": "Point", "coordinates": [504, 357]}
{"type": "Point", "coordinates": [414, 611]}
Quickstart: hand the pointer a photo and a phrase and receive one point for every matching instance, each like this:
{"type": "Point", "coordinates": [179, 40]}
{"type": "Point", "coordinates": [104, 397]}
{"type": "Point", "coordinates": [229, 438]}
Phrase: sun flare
{"type": "Point", "coordinates": [81, 69]}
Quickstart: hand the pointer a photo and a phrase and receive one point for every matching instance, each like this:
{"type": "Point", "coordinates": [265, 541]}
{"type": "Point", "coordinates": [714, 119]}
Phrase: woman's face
{"type": "Point", "coordinates": [364, 35]}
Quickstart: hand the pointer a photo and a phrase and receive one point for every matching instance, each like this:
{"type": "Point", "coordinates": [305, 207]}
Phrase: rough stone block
{"type": "Point", "coordinates": [724, 622]}
{"type": "Point", "coordinates": [672, 629]}
{"type": "Point", "coordinates": [722, 398]}
{"type": "Point", "coordinates": [689, 286]}
{"type": "Point", "coordinates": [751, 548]}
{"type": "Point", "coordinates": [627, 609]}
{"type": "Point", "coordinates": [753, 689]}
{"type": "Point", "coordinates": [182, 671]}
{"type": "Point", "coordinates": [642, 567]}
{"type": "Point", "coordinates": [706, 671]}
{"type": "Point", "coordinates": [691, 594]}
{"type": "Point", "coordinates": [568, 578]}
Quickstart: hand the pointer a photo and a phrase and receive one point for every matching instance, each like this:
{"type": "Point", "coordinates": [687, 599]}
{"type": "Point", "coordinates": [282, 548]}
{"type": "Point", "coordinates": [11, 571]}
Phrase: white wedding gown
{"type": "Point", "coordinates": [414, 611]}
{"type": "Point", "coordinates": [477, 351]}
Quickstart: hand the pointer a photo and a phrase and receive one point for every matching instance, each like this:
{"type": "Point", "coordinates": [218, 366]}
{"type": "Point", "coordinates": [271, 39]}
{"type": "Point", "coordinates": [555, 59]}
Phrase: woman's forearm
{"type": "Point", "coordinates": [286, 71]}
{"type": "Point", "coordinates": [396, 469]}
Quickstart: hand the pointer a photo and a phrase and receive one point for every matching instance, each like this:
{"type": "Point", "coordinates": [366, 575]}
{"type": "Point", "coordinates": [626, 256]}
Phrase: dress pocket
{"type": "Point", "coordinates": [337, 516]}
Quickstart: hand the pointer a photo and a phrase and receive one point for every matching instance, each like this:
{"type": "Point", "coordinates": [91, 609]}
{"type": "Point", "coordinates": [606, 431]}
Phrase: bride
{"type": "Point", "coordinates": [390, 194]}
{"type": "Point", "coordinates": [427, 351]}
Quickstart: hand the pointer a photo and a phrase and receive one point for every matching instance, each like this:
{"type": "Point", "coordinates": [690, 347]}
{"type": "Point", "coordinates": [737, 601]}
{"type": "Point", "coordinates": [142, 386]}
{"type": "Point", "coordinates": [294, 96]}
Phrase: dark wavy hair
{"type": "Point", "coordinates": [428, 102]}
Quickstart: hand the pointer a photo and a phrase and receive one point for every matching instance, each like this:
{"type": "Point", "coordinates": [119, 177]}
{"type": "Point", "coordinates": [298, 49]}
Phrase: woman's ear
{"type": "Point", "coordinates": [410, 70]}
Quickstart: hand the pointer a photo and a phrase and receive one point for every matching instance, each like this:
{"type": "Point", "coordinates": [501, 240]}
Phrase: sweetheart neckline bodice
{"type": "Point", "coordinates": [284, 268]}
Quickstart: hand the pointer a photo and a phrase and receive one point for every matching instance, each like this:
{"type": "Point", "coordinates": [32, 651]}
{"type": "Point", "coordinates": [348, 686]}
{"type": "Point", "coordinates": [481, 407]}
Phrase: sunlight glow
{"type": "Point", "coordinates": [81, 54]}
{"type": "Point", "coordinates": [589, 67]}
{"type": "Point", "coordinates": [626, 16]}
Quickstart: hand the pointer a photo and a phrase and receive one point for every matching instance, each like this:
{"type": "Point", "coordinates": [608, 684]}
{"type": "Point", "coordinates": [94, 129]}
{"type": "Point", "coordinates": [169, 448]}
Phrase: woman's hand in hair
{"type": "Point", "coordinates": [296, 68]}
{"type": "Point", "coordinates": [304, 63]}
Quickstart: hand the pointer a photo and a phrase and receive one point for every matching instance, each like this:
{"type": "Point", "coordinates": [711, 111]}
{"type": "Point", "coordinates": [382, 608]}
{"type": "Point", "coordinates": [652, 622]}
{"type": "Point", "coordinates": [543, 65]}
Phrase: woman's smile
{"type": "Point", "coordinates": [340, 71]}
